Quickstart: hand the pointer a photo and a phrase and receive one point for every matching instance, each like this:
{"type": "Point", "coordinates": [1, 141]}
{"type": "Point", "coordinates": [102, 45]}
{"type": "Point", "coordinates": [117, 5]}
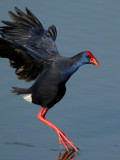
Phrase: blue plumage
{"type": "Point", "coordinates": [33, 53]}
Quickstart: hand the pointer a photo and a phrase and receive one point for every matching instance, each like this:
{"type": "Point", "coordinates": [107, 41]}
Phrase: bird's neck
{"type": "Point", "coordinates": [79, 60]}
{"type": "Point", "coordinates": [76, 61]}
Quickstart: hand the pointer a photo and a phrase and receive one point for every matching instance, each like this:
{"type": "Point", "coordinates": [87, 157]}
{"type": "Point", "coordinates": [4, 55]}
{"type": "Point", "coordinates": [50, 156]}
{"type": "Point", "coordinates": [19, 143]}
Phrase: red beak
{"type": "Point", "coordinates": [93, 60]}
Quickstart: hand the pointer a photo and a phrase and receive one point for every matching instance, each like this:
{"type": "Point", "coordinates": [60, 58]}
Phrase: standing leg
{"type": "Point", "coordinates": [62, 137]}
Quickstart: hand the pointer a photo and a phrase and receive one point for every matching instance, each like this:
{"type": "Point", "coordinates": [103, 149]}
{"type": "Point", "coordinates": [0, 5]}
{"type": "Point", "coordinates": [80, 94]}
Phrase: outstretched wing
{"type": "Point", "coordinates": [28, 63]}
{"type": "Point", "coordinates": [27, 30]}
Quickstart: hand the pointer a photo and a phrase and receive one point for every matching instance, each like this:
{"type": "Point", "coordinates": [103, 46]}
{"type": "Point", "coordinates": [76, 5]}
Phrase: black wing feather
{"type": "Point", "coordinates": [28, 63]}
{"type": "Point", "coordinates": [52, 32]}
{"type": "Point", "coordinates": [28, 31]}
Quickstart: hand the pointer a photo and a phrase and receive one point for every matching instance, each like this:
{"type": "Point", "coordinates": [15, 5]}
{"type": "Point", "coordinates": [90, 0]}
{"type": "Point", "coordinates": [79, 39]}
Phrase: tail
{"type": "Point", "coordinates": [25, 93]}
{"type": "Point", "coordinates": [19, 91]}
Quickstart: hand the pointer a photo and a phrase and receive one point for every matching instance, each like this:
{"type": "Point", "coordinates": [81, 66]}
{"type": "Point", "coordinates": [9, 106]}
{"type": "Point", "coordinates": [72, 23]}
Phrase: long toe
{"type": "Point", "coordinates": [65, 141]}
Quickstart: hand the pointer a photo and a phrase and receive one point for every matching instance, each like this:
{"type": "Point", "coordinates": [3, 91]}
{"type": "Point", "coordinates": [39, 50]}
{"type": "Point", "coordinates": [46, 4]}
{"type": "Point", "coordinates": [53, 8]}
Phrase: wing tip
{"type": "Point", "coordinates": [52, 32]}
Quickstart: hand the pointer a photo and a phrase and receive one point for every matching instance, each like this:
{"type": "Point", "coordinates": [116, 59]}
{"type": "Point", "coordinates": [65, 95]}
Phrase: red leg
{"type": "Point", "coordinates": [62, 137]}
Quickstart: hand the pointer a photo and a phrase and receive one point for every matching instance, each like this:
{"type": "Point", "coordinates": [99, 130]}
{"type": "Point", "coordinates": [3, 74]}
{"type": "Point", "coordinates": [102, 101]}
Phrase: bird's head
{"type": "Point", "coordinates": [85, 57]}
{"type": "Point", "coordinates": [91, 58]}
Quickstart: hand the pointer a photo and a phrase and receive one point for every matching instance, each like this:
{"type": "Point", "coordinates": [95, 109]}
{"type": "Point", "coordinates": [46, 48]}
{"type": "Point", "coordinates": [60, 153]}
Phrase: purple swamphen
{"type": "Point", "coordinates": [33, 53]}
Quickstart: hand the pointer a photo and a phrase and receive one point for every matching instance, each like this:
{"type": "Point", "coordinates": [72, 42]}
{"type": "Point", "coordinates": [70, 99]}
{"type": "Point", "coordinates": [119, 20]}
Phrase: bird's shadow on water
{"type": "Point", "coordinates": [62, 154]}
{"type": "Point", "coordinates": [19, 144]}
{"type": "Point", "coordinates": [66, 155]}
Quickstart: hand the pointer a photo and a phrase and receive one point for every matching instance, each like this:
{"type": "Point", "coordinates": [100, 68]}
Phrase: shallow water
{"type": "Point", "coordinates": [90, 111]}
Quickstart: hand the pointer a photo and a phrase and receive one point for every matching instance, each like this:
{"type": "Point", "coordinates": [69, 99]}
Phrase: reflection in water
{"type": "Point", "coordinates": [72, 154]}
{"type": "Point", "coordinates": [19, 143]}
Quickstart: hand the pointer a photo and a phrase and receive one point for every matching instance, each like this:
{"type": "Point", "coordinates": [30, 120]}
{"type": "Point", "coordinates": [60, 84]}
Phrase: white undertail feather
{"type": "Point", "coordinates": [27, 97]}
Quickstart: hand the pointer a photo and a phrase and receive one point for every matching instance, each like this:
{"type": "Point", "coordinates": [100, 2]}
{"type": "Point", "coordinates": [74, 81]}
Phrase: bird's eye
{"type": "Point", "coordinates": [87, 56]}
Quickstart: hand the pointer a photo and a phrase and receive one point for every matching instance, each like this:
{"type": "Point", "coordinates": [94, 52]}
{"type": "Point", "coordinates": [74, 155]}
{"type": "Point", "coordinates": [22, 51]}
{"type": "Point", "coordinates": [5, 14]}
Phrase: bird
{"type": "Point", "coordinates": [33, 54]}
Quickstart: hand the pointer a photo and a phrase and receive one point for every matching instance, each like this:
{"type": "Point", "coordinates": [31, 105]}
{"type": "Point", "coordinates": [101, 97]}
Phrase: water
{"type": "Point", "coordinates": [90, 111]}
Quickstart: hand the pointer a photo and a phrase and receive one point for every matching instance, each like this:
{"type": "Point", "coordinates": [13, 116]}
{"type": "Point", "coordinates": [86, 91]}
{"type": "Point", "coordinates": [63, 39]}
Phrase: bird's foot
{"type": "Point", "coordinates": [68, 155]}
{"type": "Point", "coordinates": [63, 139]}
